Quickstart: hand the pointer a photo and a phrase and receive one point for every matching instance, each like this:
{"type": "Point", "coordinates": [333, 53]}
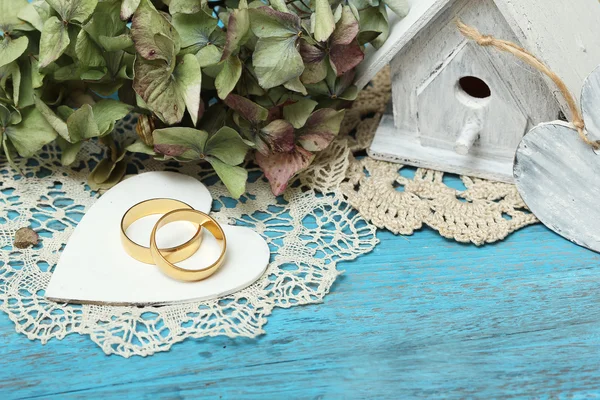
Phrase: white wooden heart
{"type": "Point", "coordinates": [558, 175]}
{"type": "Point", "coordinates": [94, 268]}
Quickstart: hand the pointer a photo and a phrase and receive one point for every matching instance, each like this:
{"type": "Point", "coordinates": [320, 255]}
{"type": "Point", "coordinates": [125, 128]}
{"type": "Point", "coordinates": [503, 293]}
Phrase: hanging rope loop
{"type": "Point", "coordinates": [489, 41]}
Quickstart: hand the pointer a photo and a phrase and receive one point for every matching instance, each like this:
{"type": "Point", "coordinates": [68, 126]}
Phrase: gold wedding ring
{"type": "Point", "coordinates": [151, 207]}
{"type": "Point", "coordinates": [195, 217]}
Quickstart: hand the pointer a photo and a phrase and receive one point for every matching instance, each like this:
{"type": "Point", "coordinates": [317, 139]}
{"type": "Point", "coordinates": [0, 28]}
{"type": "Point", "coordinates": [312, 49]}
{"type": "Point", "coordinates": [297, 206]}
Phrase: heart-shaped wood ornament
{"type": "Point", "coordinates": [558, 174]}
{"type": "Point", "coordinates": [94, 267]}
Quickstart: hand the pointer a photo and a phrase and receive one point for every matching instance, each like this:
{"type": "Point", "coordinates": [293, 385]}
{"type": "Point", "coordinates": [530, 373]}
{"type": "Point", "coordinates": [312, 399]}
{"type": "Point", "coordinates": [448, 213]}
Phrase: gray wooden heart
{"type": "Point", "coordinates": [558, 175]}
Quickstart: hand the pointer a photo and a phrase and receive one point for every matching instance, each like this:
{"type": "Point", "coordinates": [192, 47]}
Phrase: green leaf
{"type": "Point", "coordinates": [214, 118]}
{"type": "Point", "coordinates": [248, 109]}
{"type": "Point", "coordinates": [314, 72]}
{"type": "Point", "coordinates": [399, 7]}
{"type": "Point", "coordinates": [31, 15]}
{"type": "Point", "coordinates": [115, 43]}
{"type": "Point", "coordinates": [4, 115]}
{"type": "Point", "coordinates": [154, 84]}
{"type": "Point", "coordinates": [81, 124]}
{"type": "Point", "coordinates": [295, 86]}
{"type": "Point", "coordinates": [209, 55]}
{"type": "Point", "coordinates": [11, 49]}
{"type": "Point", "coordinates": [279, 168]}
{"type": "Point", "coordinates": [54, 41]}
{"type": "Point", "coordinates": [237, 29]}
{"type": "Point", "coordinates": [268, 23]}
{"type": "Point", "coordinates": [53, 120]}
{"type": "Point", "coordinates": [228, 146]}
{"type": "Point", "coordinates": [69, 151]}
{"type": "Point", "coordinates": [64, 112]}
{"type": "Point", "coordinates": [229, 76]}
{"type": "Point", "coordinates": [33, 133]}
{"type": "Point", "coordinates": [234, 178]}
{"type": "Point", "coordinates": [324, 22]}
{"type": "Point", "coordinates": [320, 129]}
{"type": "Point", "coordinates": [186, 6]}
{"type": "Point", "coordinates": [107, 174]}
{"type": "Point", "coordinates": [26, 87]}
{"type": "Point", "coordinates": [107, 112]}
{"type": "Point", "coordinates": [88, 52]}
{"type": "Point", "coordinates": [375, 19]}
{"type": "Point", "coordinates": [184, 143]}
{"type": "Point", "coordinates": [74, 10]}
{"type": "Point", "coordinates": [128, 7]}
{"type": "Point", "coordinates": [9, 154]}
{"type": "Point", "coordinates": [16, 117]}
{"type": "Point", "coordinates": [276, 61]}
{"type": "Point", "coordinates": [154, 37]}
{"type": "Point", "coordinates": [140, 147]}
{"type": "Point", "coordinates": [195, 29]}
{"type": "Point", "coordinates": [93, 74]}
{"type": "Point", "coordinates": [187, 81]}
{"type": "Point", "coordinates": [9, 11]}
{"type": "Point", "coordinates": [105, 21]}
{"type": "Point", "coordinates": [297, 113]}
{"type": "Point", "coordinates": [13, 72]}
{"type": "Point", "coordinates": [279, 5]}
{"type": "Point", "coordinates": [36, 76]}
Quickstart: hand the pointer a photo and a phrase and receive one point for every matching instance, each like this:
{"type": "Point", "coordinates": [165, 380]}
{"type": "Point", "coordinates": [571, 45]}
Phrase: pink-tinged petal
{"type": "Point", "coordinates": [345, 81]}
{"type": "Point", "coordinates": [279, 168]}
{"type": "Point", "coordinates": [248, 109]}
{"type": "Point", "coordinates": [237, 29]}
{"type": "Point", "coordinates": [262, 146]}
{"type": "Point", "coordinates": [201, 109]}
{"type": "Point", "coordinates": [170, 150]}
{"type": "Point", "coordinates": [310, 54]}
{"type": "Point", "coordinates": [275, 113]}
{"type": "Point", "coordinates": [346, 29]}
{"type": "Point", "coordinates": [267, 22]}
{"type": "Point", "coordinates": [320, 129]}
{"type": "Point", "coordinates": [279, 135]}
{"type": "Point", "coordinates": [345, 57]}
{"type": "Point", "coordinates": [316, 141]}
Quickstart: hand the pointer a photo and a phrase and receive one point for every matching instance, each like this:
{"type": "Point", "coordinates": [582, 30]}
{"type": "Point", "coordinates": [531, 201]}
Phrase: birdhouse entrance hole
{"type": "Point", "coordinates": [474, 87]}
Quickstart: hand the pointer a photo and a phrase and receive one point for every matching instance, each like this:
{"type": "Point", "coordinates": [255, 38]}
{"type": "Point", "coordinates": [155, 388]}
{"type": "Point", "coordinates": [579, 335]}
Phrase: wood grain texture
{"type": "Point", "coordinates": [562, 34]}
{"type": "Point", "coordinates": [431, 107]}
{"type": "Point", "coordinates": [420, 317]}
{"type": "Point", "coordinates": [558, 177]}
{"type": "Point", "coordinates": [392, 145]}
{"type": "Point", "coordinates": [590, 103]}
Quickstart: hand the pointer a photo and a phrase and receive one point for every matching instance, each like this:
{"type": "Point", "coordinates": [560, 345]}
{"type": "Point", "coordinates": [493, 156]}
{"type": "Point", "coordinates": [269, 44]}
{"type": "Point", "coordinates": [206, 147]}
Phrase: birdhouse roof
{"type": "Point", "coordinates": [563, 34]}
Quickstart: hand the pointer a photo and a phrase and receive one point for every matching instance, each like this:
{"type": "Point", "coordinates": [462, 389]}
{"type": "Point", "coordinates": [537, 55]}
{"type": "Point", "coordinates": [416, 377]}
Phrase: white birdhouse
{"type": "Point", "coordinates": [462, 108]}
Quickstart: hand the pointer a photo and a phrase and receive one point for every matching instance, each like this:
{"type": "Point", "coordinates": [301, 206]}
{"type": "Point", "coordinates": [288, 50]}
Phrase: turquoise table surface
{"type": "Point", "coordinates": [420, 317]}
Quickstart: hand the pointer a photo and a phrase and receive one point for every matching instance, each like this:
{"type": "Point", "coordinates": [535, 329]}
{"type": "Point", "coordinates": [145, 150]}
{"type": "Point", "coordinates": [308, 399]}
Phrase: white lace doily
{"type": "Point", "coordinates": [308, 233]}
{"type": "Point", "coordinates": [404, 199]}
{"type": "Point", "coordinates": [309, 230]}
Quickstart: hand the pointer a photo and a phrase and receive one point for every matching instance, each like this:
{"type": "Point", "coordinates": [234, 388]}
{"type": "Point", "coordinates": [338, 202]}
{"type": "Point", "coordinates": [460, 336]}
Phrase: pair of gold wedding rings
{"type": "Point", "coordinates": [165, 259]}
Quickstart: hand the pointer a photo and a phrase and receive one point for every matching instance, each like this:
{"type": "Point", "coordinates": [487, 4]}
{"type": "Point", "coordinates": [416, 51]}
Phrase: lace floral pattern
{"type": "Point", "coordinates": [390, 198]}
{"type": "Point", "coordinates": [308, 231]}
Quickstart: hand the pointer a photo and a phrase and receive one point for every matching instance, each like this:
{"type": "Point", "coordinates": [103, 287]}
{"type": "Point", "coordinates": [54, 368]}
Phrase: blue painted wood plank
{"type": "Point", "coordinates": [419, 317]}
